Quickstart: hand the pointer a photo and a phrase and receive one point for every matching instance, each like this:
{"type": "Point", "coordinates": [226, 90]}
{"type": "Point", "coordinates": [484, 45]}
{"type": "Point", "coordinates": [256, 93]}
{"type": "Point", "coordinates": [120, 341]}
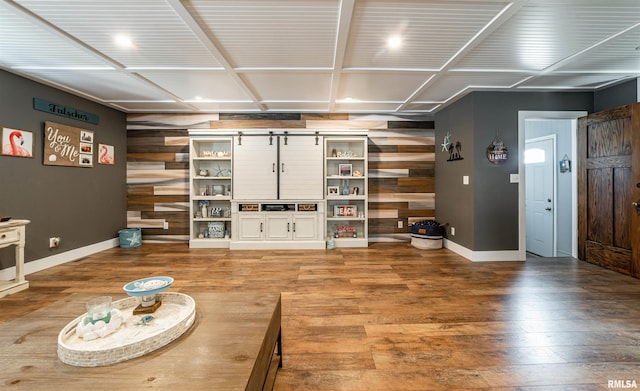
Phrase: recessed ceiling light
{"type": "Point", "coordinates": [394, 42]}
{"type": "Point", "coordinates": [123, 41]}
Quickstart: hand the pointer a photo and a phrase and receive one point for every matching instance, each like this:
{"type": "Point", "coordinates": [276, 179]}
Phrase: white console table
{"type": "Point", "coordinates": [12, 232]}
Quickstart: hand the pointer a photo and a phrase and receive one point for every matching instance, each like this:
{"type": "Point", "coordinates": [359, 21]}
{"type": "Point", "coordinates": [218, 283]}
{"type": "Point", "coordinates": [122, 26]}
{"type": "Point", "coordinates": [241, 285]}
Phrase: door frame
{"type": "Point", "coordinates": [524, 115]}
{"type": "Point", "coordinates": [554, 219]}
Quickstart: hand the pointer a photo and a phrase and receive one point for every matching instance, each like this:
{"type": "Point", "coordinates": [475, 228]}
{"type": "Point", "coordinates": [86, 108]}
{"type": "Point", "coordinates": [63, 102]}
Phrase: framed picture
{"type": "Point", "coordinates": [105, 154]}
{"type": "Point", "coordinates": [345, 211]}
{"type": "Point", "coordinates": [345, 169]}
{"type": "Point", "coordinates": [332, 190]}
{"type": "Point", "coordinates": [17, 142]}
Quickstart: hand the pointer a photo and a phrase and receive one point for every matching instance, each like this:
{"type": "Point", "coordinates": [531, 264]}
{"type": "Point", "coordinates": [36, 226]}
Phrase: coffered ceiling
{"type": "Point", "coordinates": [316, 55]}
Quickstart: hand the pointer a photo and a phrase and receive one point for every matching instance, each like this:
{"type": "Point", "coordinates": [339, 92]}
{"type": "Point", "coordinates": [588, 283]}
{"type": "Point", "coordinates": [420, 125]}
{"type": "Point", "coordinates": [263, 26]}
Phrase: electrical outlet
{"type": "Point", "coordinates": [54, 242]}
{"type": "Point", "coordinates": [400, 224]}
{"type": "Point", "coordinates": [165, 225]}
{"type": "Point", "coordinates": [453, 231]}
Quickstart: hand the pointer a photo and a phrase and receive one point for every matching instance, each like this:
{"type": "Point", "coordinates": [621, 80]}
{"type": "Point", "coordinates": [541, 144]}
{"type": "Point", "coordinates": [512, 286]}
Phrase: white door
{"type": "Point", "coordinates": [250, 226]}
{"type": "Point", "coordinates": [539, 162]}
{"type": "Point", "coordinates": [255, 171]}
{"type": "Point", "coordinates": [301, 168]}
{"type": "Point", "coordinates": [305, 226]}
{"type": "Point", "coordinates": [279, 226]}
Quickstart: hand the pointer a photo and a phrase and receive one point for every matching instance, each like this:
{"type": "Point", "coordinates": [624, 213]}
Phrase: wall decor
{"type": "Point", "coordinates": [345, 210]}
{"type": "Point", "coordinates": [64, 111]}
{"type": "Point", "coordinates": [455, 155]}
{"type": "Point", "coordinates": [447, 141]}
{"type": "Point", "coordinates": [565, 164]}
{"type": "Point", "coordinates": [497, 153]}
{"type": "Point", "coordinates": [17, 142]}
{"type": "Point", "coordinates": [106, 154]}
{"type": "Point", "coordinates": [67, 146]}
{"type": "Point", "coordinates": [345, 169]}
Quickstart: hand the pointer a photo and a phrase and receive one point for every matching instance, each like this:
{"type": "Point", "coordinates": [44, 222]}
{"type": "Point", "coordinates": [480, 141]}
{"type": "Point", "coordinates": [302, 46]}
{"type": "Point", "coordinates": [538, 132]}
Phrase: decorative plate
{"type": "Point", "coordinates": [148, 286]}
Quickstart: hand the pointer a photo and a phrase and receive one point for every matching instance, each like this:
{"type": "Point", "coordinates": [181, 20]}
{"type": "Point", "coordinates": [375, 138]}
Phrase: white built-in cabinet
{"type": "Point", "coordinates": [277, 190]}
{"type": "Point", "coordinates": [347, 190]}
{"type": "Point", "coordinates": [210, 190]}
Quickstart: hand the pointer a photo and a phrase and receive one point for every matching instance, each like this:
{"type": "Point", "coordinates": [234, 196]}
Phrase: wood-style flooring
{"type": "Point", "coordinates": [393, 317]}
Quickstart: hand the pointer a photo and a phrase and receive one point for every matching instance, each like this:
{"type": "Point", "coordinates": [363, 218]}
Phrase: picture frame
{"type": "Point", "coordinates": [333, 190]}
{"type": "Point", "coordinates": [345, 210]}
{"type": "Point", "coordinates": [106, 154]}
{"type": "Point", "coordinates": [16, 142]}
{"type": "Point", "coordinates": [345, 169]}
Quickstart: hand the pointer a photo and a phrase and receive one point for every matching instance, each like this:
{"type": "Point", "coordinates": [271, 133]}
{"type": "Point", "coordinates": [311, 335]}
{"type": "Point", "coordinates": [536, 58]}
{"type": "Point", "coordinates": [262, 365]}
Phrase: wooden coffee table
{"type": "Point", "coordinates": [234, 344]}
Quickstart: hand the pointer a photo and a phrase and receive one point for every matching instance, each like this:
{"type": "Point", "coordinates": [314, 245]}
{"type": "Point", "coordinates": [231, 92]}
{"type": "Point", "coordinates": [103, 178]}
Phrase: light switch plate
{"type": "Point", "coordinates": [514, 178]}
{"type": "Point", "coordinates": [465, 180]}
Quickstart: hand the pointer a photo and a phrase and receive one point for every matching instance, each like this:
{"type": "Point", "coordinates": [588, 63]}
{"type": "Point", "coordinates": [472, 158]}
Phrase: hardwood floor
{"type": "Point", "coordinates": [393, 317]}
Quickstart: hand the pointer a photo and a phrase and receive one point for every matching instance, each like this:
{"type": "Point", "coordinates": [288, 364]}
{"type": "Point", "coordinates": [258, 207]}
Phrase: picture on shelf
{"type": "Point", "coordinates": [345, 210]}
{"type": "Point", "coordinates": [345, 169]}
{"type": "Point", "coordinates": [332, 190]}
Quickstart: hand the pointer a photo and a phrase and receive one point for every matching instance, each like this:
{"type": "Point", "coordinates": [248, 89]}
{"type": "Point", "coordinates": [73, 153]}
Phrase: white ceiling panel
{"type": "Point", "coordinates": [159, 36]}
{"type": "Point", "coordinates": [26, 43]}
{"type": "Point", "coordinates": [152, 106]}
{"type": "Point", "coordinates": [381, 86]}
{"type": "Point", "coordinates": [197, 84]}
{"type": "Point", "coordinates": [431, 31]}
{"type": "Point", "coordinates": [545, 32]}
{"type": "Point", "coordinates": [310, 55]}
{"type": "Point", "coordinates": [310, 107]}
{"type": "Point", "coordinates": [366, 107]}
{"type": "Point", "coordinates": [227, 106]}
{"type": "Point", "coordinates": [103, 85]}
{"type": "Point", "coordinates": [289, 86]}
{"type": "Point", "coordinates": [572, 81]}
{"type": "Point", "coordinates": [272, 33]}
{"type": "Point", "coordinates": [452, 83]}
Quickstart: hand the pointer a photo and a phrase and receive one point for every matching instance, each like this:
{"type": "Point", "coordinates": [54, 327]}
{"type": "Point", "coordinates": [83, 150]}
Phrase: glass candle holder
{"type": "Point", "coordinates": [99, 308]}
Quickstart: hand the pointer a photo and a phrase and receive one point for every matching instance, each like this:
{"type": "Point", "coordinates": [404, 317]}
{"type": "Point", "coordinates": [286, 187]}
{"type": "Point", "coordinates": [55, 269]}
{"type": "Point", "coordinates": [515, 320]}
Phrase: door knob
{"type": "Point", "coordinates": [547, 208]}
{"type": "Point", "coordinates": [636, 204]}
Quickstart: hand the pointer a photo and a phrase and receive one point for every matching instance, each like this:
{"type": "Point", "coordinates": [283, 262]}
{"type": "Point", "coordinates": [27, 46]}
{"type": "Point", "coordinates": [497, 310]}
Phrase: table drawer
{"type": "Point", "coordinates": [8, 236]}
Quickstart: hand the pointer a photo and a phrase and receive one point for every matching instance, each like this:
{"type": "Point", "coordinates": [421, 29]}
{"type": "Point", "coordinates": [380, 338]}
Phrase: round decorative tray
{"type": "Point", "coordinates": [135, 337]}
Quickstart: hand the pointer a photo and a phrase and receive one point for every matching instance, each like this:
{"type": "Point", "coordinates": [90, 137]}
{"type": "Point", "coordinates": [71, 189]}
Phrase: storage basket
{"type": "Point", "coordinates": [130, 237]}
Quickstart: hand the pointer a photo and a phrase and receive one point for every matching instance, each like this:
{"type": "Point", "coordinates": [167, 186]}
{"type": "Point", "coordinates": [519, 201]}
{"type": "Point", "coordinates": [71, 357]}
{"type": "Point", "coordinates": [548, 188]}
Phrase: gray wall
{"type": "Point", "coordinates": [491, 222]}
{"type": "Point", "coordinates": [616, 96]}
{"type": "Point", "coordinates": [83, 206]}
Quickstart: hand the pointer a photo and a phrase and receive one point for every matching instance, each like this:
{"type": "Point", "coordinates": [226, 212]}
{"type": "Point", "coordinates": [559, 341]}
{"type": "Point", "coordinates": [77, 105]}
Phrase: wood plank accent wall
{"type": "Point", "coordinates": [401, 167]}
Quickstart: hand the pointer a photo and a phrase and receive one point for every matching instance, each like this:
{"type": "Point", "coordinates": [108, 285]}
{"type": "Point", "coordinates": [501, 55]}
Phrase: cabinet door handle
{"type": "Point", "coordinates": [260, 227]}
{"type": "Point", "coordinates": [288, 227]}
{"type": "Point", "coordinates": [294, 227]}
{"type": "Point", "coordinates": [282, 167]}
{"type": "Point", "coordinates": [273, 167]}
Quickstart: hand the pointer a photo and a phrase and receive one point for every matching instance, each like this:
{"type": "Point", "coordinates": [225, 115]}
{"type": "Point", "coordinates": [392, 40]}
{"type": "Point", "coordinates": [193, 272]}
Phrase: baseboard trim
{"type": "Point", "coordinates": [482, 256]}
{"type": "Point", "coordinates": [59, 259]}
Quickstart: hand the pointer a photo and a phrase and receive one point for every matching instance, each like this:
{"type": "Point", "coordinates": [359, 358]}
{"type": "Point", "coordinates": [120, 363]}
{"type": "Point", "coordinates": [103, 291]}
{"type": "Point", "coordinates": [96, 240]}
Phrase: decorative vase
{"type": "Point", "coordinates": [345, 188]}
{"type": "Point", "coordinates": [204, 211]}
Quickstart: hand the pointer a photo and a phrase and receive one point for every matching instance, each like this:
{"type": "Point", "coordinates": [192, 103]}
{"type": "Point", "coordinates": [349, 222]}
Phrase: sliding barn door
{"type": "Point", "coordinates": [609, 189]}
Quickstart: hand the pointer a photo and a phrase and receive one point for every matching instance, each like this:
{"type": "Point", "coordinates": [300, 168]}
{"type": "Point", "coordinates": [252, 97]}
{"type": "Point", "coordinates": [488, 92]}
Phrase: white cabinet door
{"type": "Point", "coordinates": [255, 171]}
{"type": "Point", "coordinates": [279, 226]}
{"type": "Point", "coordinates": [301, 170]}
{"type": "Point", "coordinates": [250, 226]}
{"type": "Point", "coordinates": [305, 227]}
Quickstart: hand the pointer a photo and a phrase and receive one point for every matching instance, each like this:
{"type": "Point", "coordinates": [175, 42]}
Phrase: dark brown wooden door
{"type": "Point", "coordinates": [608, 187]}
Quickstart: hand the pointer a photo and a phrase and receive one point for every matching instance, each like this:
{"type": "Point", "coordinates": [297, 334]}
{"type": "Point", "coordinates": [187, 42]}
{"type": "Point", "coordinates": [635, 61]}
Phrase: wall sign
{"type": "Point", "coordinates": [67, 146]}
{"type": "Point", "coordinates": [64, 111]}
{"type": "Point", "coordinates": [497, 153]}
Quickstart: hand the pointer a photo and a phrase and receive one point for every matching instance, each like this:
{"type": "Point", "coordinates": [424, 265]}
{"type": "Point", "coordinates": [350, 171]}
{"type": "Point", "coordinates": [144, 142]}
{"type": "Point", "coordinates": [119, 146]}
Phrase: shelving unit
{"type": "Point", "coordinates": [346, 189]}
{"type": "Point", "coordinates": [210, 189]}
